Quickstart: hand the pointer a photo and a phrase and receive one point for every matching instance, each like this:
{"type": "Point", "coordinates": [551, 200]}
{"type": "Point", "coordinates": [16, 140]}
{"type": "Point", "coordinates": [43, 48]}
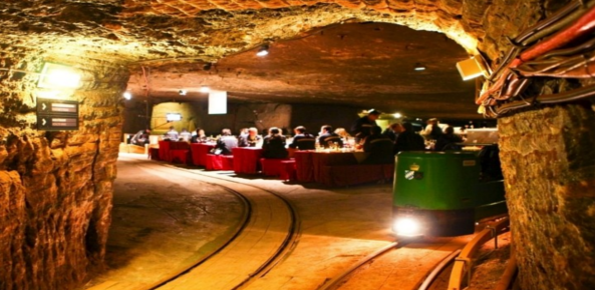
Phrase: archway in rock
{"type": "Point", "coordinates": [57, 186]}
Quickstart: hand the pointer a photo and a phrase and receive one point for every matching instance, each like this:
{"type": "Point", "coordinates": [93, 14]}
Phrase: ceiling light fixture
{"type": "Point", "coordinates": [263, 50]}
{"type": "Point", "coordinates": [472, 68]}
{"type": "Point", "coordinates": [419, 67]}
{"type": "Point", "coordinates": [57, 76]}
{"type": "Point", "coordinates": [397, 115]}
{"type": "Point", "coordinates": [182, 92]}
{"type": "Point", "coordinates": [204, 89]}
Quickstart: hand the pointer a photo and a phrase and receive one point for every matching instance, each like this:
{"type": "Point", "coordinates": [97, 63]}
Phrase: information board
{"type": "Point", "coordinates": [57, 115]}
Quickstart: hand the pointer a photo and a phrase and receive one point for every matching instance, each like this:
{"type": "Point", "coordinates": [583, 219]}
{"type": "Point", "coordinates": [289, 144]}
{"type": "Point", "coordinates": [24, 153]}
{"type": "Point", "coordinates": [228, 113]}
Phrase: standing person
{"type": "Point", "coordinates": [328, 137]}
{"type": "Point", "coordinates": [361, 127]}
{"type": "Point", "coordinates": [379, 147]}
{"type": "Point", "coordinates": [432, 130]}
{"type": "Point", "coordinates": [225, 143]}
{"type": "Point", "coordinates": [171, 135]}
{"type": "Point", "coordinates": [302, 139]}
{"type": "Point", "coordinates": [252, 139]}
{"type": "Point", "coordinates": [448, 140]}
{"type": "Point", "coordinates": [408, 140]}
{"type": "Point", "coordinates": [273, 145]}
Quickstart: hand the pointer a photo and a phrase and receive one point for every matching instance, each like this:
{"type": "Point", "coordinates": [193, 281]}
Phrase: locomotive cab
{"type": "Point", "coordinates": [446, 193]}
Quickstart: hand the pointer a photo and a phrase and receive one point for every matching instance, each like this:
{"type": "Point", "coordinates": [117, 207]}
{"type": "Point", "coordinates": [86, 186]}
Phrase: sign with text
{"type": "Point", "coordinates": [57, 115]}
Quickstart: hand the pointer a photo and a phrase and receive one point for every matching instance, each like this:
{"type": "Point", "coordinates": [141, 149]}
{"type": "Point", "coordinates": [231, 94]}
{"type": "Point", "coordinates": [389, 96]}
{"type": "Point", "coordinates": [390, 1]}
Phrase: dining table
{"type": "Point", "coordinates": [313, 166]}
{"type": "Point", "coordinates": [199, 152]}
{"type": "Point", "coordinates": [246, 159]}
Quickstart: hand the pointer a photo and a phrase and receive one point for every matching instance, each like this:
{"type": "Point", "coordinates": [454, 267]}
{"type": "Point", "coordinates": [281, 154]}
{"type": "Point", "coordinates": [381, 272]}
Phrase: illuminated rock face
{"type": "Point", "coordinates": [55, 188]}
{"type": "Point", "coordinates": [549, 169]}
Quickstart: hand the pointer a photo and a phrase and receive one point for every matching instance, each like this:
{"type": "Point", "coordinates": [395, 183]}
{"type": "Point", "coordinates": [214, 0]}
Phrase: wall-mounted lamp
{"type": "Point", "coordinates": [182, 92]}
{"type": "Point", "coordinates": [263, 50]}
{"type": "Point", "coordinates": [419, 67]}
{"type": "Point", "coordinates": [204, 89]}
{"type": "Point", "coordinates": [472, 68]}
{"type": "Point", "coordinates": [127, 95]}
{"type": "Point", "coordinates": [57, 76]}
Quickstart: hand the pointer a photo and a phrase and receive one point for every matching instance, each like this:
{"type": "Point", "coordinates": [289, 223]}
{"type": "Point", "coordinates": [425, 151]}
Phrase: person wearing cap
{"type": "Point", "coordinates": [362, 126]}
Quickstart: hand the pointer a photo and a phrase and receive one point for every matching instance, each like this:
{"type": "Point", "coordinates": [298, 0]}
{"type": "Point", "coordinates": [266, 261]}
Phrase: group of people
{"type": "Point", "coordinates": [367, 136]}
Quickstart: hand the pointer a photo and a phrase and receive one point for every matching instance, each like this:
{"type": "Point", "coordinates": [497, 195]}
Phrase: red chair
{"type": "Point", "coordinates": [271, 167]}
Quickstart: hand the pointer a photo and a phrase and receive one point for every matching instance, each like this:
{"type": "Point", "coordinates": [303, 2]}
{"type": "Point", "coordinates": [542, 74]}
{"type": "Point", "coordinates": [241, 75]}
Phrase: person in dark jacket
{"type": "Point", "coordinates": [379, 147]}
{"type": "Point", "coordinates": [408, 140]}
{"type": "Point", "coordinates": [448, 140]}
{"type": "Point", "coordinates": [362, 126]}
{"type": "Point", "coordinates": [327, 137]}
{"type": "Point", "coordinates": [302, 139]}
{"type": "Point", "coordinates": [273, 145]}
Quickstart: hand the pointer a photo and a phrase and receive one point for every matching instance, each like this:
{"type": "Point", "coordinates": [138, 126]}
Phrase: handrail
{"type": "Point", "coordinates": [462, 264]}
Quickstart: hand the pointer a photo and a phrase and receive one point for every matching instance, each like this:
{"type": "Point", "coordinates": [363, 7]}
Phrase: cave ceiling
{"type": "Point", "coordinates": [356, 53]}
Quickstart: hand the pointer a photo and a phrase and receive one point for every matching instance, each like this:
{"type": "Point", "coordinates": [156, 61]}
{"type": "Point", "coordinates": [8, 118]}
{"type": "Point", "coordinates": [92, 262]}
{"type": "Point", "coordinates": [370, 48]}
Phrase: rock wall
{"type": "Point", "coordinates": [549, 168]}
{"type": "Point", "coordinates": [55, 187]}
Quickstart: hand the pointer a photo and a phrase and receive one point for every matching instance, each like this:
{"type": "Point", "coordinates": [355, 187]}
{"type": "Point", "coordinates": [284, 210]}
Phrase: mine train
{"type": "Point", "coordinates": [446, 193]}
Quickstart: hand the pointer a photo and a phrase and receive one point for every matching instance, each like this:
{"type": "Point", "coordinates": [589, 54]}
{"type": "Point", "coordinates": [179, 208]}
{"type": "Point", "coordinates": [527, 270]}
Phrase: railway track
{"type": "Point", "coordinates": [269, 231]}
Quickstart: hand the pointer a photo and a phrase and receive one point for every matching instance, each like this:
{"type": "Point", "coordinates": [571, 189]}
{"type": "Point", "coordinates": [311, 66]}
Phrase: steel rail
{"type": "Point", "coordinates": [334, 283]}
{"type": "Point", "coordinates": [462, 264]}
{"type": "Point", "coordinates": [290, 241]}
{"type": "Point", "coordinates": [509, 274]}
{"type": "Point", "coordinates": [427, 282]}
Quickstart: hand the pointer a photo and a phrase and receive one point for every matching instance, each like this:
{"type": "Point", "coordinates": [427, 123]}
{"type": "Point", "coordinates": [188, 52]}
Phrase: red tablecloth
{"type": "Point", "coordinates": [154, 153]}
{"type": "Point", "coordinates": [199, 152]}
{"type": "Point", "coordinates": [303, 166]}
{"type": "Point", "coordinates": [288, 170]}
{"type": "Point", "coordinates": [322, 159]}
{"type": "Point", "coordinates": [245, 159]}
{"type": "Point", "coordinates": [219, 162]}
{"type": "Point", "coordinates": [271, 167]}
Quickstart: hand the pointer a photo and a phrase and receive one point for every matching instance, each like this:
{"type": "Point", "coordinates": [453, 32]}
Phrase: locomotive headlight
{"type": "Point", "coordinates": [407, 227]}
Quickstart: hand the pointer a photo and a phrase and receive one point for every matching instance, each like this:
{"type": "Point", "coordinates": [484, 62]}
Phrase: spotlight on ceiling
{"type": "Point", "coordinates": [263, 50]}
{"type": "Point", "coordinates": [397, 115]}
{"type": "Point", "coordinates": [182, 92]}
{"type": "Point", "coordinates": [204, 89]}
{"type": "Point", "coordinates": [57, 76]}
{"type": "Point", "coordinates": [127, 95]}
{"type": "Point", "coordinates": [419, 67]}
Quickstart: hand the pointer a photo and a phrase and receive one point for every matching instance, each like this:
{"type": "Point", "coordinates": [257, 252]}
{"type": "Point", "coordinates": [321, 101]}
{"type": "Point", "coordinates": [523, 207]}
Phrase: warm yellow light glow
{"type": "Point", "coordinates": [204, 89]}
{"type": "Point", "coordinates": [56, 76]}
{"type": "Point", "coordinates": [127, 95]}
{"type": "Point", "coordinates": [397, 115]}
{"type": "Point", "coordinates": [407, 227]}
{"type": "Point", "coordinates": [471, 68]}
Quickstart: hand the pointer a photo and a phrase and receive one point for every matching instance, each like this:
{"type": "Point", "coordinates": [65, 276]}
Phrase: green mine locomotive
{"type": "Point", "coordinates": [446, 193]}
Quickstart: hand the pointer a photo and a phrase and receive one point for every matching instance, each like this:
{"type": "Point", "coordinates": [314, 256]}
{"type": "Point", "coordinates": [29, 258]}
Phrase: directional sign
{"type": "Point", "coordinates": [57, 123]}
{"type": "Point", "coordinates": [57, 115]}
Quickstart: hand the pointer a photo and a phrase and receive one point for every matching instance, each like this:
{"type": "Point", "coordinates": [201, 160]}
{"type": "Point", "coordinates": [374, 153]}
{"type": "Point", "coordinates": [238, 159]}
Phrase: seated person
{"type": "Point", "coordinates": [408, 140]}
{"type": "Point", "coordinates": [273, 146]}
{"type": "Point", "coordinates": [141, 138]}
{"type": "Point", "coordinates": [343, 134]}
{"type": "Point", "coordinates": [252, 139]}
{"type": "Point", "coordinates": [448, 140]}
{"type": "Point", "coordinates": [199, 137]}
{"type": "Point", "coordinates": [380, 148]}
{"type": "Point", "coordinates": [327, 137]}
{"type": "Point", "coordinates": [302, 139]}
{"type": "Point", "coordinates": [171, 135]}
{"type": "Point", "coordinates": [185, 135]}
{"type": "Point", "coordinates": [225, 143]}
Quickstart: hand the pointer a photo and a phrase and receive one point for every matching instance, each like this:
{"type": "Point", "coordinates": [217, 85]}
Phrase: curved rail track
{"type": "Point", "coordinates": [269, 231]}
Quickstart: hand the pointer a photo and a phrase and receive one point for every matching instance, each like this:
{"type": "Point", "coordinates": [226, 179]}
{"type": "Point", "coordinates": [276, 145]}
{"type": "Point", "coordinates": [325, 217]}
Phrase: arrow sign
{"type": "Point", "coordinates": [43, 122]}
{"type": "Point", "coordinates": [43, 106]}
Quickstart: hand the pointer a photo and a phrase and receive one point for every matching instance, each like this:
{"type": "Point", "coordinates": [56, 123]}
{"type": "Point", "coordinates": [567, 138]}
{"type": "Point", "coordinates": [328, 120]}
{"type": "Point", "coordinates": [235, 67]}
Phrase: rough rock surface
{"type": "Point", "coordinates": [549, 168]}
{"type": "Point", "coordinates": [55, 187]}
